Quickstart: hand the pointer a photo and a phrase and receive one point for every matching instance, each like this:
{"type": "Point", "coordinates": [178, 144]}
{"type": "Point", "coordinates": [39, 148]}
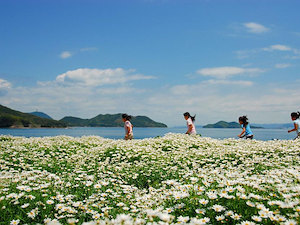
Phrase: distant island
{"type": "Point", "coordinates": [110, 120]}
{"type": "Point", "coordinates": [10, 118]}
{"type": "Point", "coordinates": [276, 125]}
{"type": "Point", "coordinates": [41, 114]}
{"type": "Point", "coordinates": [224, 124]}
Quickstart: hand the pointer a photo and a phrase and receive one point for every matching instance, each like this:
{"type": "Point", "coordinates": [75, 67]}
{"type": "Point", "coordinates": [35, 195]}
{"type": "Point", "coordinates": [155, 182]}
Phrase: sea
{"type": "Point", "coordinates": [141, 133]}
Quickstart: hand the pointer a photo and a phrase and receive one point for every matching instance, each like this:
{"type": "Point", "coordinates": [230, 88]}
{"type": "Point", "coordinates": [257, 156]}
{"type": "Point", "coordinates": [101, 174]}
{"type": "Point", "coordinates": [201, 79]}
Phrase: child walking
{"type": "Point", "coordinates": [190, 123]}
{"type": "Point", "coordinates": [295, 117]}
{"type": "Point", "coordinates": [128, 127]}
{"type": "Point", "coordinates": [246, 132]}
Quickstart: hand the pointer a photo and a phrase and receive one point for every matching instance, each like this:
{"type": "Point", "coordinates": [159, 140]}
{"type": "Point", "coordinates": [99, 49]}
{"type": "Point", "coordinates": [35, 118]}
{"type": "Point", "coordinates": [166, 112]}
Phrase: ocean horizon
{"type": "Point", "coordinates": [149, 132]}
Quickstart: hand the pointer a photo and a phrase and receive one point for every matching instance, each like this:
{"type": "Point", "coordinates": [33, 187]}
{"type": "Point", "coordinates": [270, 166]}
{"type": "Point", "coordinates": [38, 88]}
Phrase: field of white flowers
{"type": "Point", "coordinates": [175, 179]}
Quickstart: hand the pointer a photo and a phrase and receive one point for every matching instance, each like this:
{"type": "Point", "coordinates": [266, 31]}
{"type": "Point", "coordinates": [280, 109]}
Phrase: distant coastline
{"type": "Point", "coordinates": [13, 119]}
{"type": "Point", "coordinates": [224, 124]}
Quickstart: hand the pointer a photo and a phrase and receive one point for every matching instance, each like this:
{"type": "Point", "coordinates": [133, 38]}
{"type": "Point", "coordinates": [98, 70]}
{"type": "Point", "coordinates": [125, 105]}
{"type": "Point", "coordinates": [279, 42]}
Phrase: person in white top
{"type": "Point", "coordinates": [128, 127]}
{"type": "Point", "coordinates": [190, 123]}
{"type": "Point", "coordinates": [295, 117]}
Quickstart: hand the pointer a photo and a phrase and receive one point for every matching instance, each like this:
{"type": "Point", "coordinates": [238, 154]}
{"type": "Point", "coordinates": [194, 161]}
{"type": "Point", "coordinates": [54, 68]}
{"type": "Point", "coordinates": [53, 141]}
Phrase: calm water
{"type": "Point", "coordinates": [139, 133]}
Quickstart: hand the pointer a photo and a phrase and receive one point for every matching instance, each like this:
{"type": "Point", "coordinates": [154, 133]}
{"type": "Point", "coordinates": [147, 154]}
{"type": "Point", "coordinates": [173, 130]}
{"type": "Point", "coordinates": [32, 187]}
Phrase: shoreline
{"type": "Point", "coordinates": [69, 127]}
{"type": "Point", "coordinates": [117, 133]}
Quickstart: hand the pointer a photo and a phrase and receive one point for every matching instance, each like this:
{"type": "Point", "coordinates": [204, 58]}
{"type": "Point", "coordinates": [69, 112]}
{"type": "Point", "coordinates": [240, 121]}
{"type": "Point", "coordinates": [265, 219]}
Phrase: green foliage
{"type": "Point", "coordinates": [111, 120]}
{"type": "Point", "coordinates": [223, 124]}
{"type": "Point", "coordinates": [12, 118]}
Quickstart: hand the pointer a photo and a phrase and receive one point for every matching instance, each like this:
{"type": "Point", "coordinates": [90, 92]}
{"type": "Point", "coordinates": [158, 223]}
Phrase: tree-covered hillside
{"type": "Point", "coordinates": [11, 118]}
{"type": "Point", "coordinates": [224, 124]}
{"type": "Point", "coordinates": [111, 120]}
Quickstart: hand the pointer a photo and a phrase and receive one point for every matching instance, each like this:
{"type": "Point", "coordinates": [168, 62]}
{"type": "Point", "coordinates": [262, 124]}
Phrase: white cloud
{"type": "Point", "coordinates": [99, 77]}
{"type": "Point", "coordinates": [65, 55]}
{"type": "Point", "coordinates": [290, 52]}
{"type": "Point", "coordinates": [255, 28]}
{"type": "Point", "coordinates": [282, 65]}
{"type": "Point", "coordinates": [225, 72]}
{"type": "Point", "coordinates": [230, 82]}
{"type": "Point", "coordinates": [212, 104]}
{"type": "Point", "coordinates": [212, 100]}
{"type": "Point", "coordinates": [76, 100]}
{"type": "Point", "coordinates": [68, 54]}
{"type": "Point", "coordinates": [83, 92]}
{"type": "Point", "coordinates": [278, 48]}
{"type": "Point", "coordinates": [4, 84]}
{"type": "Point", "coordinates": [60, 101]}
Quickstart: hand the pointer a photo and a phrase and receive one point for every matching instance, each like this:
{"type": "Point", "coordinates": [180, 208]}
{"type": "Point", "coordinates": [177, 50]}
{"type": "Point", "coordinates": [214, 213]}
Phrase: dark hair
{"type": "Point", "coordinates": [295, 114]}
{"type": "Point", "coordinates": [125, 116]}
{"type": "Point", "coordinates": [244, 120]}
{"type": "Point", "coordinates": [189, 115]}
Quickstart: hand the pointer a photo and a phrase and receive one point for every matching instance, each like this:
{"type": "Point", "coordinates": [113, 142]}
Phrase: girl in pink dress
{"type": "Point", "coordinates": [190, 123]}
{"type": "Point", "coordinates": [128, 127]}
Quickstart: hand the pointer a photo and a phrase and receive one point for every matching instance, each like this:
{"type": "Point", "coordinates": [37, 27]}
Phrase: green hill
{"type": "Point", "coordinates": [111, 120]}
{"type": "Point", "coordinates": [224, 124]}
{"type": "Point", "coordinates": [75, 122]}
{"type": "Point", "coordinates": [41, 114]}
{"type": "Point", "coordinates": [12, 118]}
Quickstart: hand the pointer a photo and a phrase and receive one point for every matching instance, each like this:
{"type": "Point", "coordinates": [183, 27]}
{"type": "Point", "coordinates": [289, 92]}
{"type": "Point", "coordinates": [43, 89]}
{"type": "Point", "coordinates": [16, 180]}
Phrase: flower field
{"type": "Point", "coordinates": [175, 179]}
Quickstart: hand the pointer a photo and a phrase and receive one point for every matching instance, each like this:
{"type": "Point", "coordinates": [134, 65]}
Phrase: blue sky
{"type": "Point", "coordinates": [160, 58]}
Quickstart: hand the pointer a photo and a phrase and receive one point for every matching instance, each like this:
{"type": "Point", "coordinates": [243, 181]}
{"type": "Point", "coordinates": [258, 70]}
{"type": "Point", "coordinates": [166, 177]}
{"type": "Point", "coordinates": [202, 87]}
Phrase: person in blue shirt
{"type": "Point", "coordinates": [246, 132]}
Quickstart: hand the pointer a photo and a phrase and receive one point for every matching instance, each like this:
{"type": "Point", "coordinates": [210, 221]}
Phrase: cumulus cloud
{"type": "Point", "coordinates": [255, 28]}
{"type": "Point", "coordinates": [99, 77]}
{"type": "Point", "coordinates": [225, 72]}
{"type": "Point", "coordinates": [278, 48]}
{"type": "Point", "coordinates": [65, 55]}
{"type": "Point", "coordinates": [85, 100]}
{"type": "Point", "coordinates": [83, 92]}
{"type": "Point", "coordinates": [4, 84]}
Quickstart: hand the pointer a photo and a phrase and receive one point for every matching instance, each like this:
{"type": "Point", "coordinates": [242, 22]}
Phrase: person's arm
{"type": "Point", "coordinates": [190, 128]}
{"type": "Point", "coordinates": [243, 131]}
{"type": "Point", "coordinates": [295, 128]}
{"type": "Point", "coordinates": [127, 131]}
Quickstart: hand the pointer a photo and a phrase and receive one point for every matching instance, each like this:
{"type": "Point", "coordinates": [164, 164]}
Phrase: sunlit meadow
{"type": "Point", "coordinates": [175, 179]}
